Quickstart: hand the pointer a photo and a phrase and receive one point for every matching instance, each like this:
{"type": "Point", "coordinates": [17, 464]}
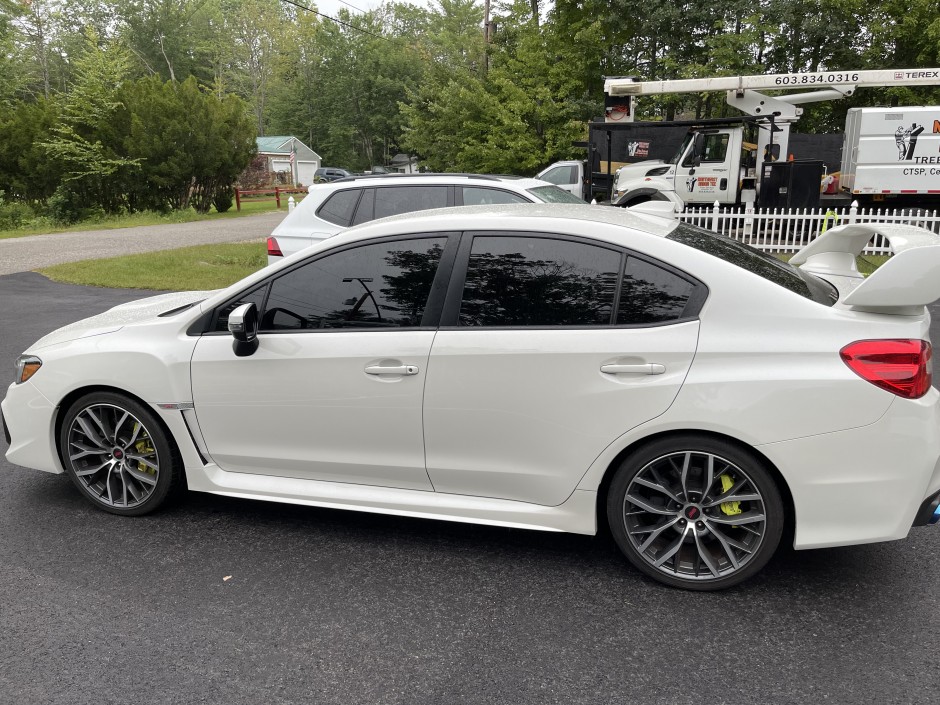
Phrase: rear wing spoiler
{"type": "Point", "coordinates": [903, 285]}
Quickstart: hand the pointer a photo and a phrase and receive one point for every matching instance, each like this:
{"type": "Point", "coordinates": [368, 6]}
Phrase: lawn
{"type": "Point", "coordinates": [249, 207]}
{"type": "Point", "coordinates": [189, 268]}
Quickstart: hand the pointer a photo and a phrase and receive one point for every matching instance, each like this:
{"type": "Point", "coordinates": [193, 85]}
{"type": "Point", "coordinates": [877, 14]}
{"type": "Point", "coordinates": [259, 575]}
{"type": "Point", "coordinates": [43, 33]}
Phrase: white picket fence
{"type": "Point", "coordinates": [778, 230]}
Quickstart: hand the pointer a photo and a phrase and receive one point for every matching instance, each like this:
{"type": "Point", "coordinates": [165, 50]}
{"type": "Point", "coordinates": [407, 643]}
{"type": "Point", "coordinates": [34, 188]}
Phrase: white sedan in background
{"type": "Point", "coordinates": [536, 367]}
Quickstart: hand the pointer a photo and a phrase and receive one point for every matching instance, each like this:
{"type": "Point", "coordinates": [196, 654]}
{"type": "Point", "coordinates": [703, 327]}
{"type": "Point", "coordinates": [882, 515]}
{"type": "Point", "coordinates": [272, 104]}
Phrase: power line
{"type": "Point", "coordinates": [349, 4]}
{"type": "Point", "coordinates": [333, 19]}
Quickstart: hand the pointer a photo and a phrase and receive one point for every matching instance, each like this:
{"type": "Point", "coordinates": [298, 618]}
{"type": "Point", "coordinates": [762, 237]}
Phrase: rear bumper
{"type": "Point", "coordinates": [865, 484]}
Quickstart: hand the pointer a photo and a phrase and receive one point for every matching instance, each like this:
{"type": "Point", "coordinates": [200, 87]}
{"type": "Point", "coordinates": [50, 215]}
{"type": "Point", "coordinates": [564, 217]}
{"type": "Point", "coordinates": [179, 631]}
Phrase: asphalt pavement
{"type": "Point", "coordinates": [24, 254]}
{"type": "Point", "coordinates": [326, 606]}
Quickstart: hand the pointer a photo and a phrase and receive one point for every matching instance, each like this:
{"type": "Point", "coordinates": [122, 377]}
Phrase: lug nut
{"type": "Point", "coordinates": [700, 525]}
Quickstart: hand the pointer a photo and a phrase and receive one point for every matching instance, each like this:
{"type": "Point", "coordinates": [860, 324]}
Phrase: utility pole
{"type": "Point", "coordinates": [486, 36]}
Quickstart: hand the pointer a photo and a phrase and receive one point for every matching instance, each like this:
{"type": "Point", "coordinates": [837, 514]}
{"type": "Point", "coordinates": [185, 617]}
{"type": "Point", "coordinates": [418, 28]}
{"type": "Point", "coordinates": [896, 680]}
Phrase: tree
{"type": "Point", "coordinates": [190, 144]}
{"type": "Point", "coordinates": [171, 38]}
{"type": "Point", "coordinates": [25, 172]}
{"type": "Point", "coordinates": [85, 144]}
{"type": "Point", "coordinates": [253, 29]}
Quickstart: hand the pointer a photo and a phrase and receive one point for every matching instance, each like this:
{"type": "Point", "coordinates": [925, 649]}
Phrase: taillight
{"type": "Point", "coordinates": [902, 367]}
{"type": "Point", "coordinates": [274, 250]}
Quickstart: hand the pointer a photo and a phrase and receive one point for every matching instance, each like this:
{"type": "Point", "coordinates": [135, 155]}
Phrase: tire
{"type": "Point", "coordinates": [118, 454]}
{"type": "Point", "coordinates": [676, 530]}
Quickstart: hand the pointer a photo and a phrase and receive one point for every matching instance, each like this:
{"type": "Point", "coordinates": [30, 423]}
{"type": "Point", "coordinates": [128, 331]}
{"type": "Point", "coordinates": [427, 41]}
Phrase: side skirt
{"type": "Point", "coordinates": [576, 515]}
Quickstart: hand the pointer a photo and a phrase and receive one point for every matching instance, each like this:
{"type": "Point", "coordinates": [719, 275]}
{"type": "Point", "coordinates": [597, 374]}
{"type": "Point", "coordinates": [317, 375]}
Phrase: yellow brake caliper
{"type": "Point", "coordinates": [729, 508]}
{"type": "Point", "coordinates": [143, 447]}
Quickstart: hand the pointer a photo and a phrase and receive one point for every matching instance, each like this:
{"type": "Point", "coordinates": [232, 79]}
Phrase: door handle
{"type": "Point", "coordinates": [396, 370]}
{"type": "Point", "coordinates": [650, 368]}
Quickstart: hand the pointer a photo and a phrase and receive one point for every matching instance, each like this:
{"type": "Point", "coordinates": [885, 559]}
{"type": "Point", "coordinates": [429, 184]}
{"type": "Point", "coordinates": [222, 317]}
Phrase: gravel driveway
{"type": "Point", "coordinates": [24, 254]}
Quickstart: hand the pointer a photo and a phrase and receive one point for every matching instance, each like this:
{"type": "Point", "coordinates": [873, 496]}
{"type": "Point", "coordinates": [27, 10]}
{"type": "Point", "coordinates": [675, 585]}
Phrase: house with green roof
{"type": "Point", "coordinates": [289, 156]}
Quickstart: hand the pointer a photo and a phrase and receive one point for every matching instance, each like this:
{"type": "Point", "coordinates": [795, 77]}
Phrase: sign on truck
{"type": "Point", "coordinates": [892, 151]}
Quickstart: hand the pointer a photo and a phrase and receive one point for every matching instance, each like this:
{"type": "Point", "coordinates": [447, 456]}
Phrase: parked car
{"type": "Point", "coordinates": [329, 174]}
{"type": "Point", "coordinates": [329, 209]}
{"type": "Point", "coordinates": [536, 367]}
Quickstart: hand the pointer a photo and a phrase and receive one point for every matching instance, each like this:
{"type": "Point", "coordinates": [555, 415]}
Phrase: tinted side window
{"type": "Point", "coordinates": [651, 294]}
{"type": "Point", "coordinates": [392, 200]}
{"type": "Point", "coordinates": [364, 213]}
{"type": "Point", "coordinates": [535, 281]}
{"type": "Point", "coordinates": [476, 196]}
{"type": "Point", "coordinates": [339, 207]}
{"type": "Point", "coordinates": [255, 297]}
{"type": "Point", "coordinates": [381, 285]}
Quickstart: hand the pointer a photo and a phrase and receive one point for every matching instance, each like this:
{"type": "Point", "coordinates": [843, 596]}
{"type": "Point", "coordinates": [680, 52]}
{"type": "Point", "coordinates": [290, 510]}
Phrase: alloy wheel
{"type": "Point", "coordinates": [113, 456]}
{"type": "Point", "coordinates": [694, 515]}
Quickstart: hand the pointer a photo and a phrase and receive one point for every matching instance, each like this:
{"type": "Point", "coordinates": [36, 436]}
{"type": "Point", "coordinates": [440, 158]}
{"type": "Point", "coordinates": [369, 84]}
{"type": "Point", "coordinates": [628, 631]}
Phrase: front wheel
{"type": "Point", "coordinates": [118, 454]}
{"type": "Point", "coordinates": [695, 512]}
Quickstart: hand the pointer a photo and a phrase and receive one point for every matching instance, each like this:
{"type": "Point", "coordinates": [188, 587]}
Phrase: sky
{"type": "Point", "coordinates": [332, 7]}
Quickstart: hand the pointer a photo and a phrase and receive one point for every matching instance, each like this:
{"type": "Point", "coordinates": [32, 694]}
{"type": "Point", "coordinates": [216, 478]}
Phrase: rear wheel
{"type": "Point", "coordinates": [695, 512]}
{"type": "Point", "coordinates": [118, 455]}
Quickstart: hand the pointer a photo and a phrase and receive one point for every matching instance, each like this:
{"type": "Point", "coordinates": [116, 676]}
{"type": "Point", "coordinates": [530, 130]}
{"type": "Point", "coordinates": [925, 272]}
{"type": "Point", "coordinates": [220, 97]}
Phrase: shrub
{"type": "Point", "coordinates": [14, 215]}
{"type": "Point", "coordinates": [65, 206]}
{"type": "Point", "coordinates": [223, 199]}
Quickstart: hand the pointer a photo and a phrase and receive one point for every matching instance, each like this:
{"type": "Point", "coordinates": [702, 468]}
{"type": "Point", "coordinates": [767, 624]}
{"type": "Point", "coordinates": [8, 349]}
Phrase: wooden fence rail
{"type": "Point", "coordinates": [272, 194]}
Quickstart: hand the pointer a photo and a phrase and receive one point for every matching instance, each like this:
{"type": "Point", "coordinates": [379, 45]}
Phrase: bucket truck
{"type": "Point", "coordinates": [887, 152]}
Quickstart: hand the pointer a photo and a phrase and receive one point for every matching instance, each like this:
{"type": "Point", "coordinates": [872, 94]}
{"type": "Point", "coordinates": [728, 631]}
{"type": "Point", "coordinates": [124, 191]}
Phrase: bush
{"type": "Point", "coordinates": [66, 207]}
{"type": "Point", "coordinates": [14, 215]}
{"type": "Point", "coordinates": [223, 199]}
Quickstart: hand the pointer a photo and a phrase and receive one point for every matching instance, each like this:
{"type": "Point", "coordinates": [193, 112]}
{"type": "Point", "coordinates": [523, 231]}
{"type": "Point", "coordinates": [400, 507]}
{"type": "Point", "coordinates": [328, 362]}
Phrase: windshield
{"type": "Point", "coordinates": [685, 145]}
{"type": "Point", "coordinates": [553, 194]}
{"type": "Point", "coordinates": [756, 262]}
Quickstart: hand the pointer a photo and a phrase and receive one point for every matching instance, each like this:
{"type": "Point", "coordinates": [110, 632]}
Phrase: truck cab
{"type": "Point", "coordinates": [567, 175]}
{"type": "Point", "coordinates": [708, 167]}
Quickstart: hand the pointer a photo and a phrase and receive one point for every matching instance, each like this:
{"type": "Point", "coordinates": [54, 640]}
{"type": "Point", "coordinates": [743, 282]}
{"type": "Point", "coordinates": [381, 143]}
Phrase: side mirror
{"type": "Point", "coordinates": [243, 325]}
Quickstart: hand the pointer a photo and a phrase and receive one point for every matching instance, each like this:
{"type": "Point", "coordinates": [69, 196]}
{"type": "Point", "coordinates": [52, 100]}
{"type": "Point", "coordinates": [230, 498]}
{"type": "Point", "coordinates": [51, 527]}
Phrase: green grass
{"type": "Point", "coordinates": [249, 207]}
{"type": "Point", "coordinates": [186, 269]}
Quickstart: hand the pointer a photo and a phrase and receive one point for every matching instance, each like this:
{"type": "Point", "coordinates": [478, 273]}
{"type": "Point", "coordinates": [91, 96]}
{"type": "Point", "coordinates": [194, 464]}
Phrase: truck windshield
{"type": "Point", "coordinates": [685, 145]}
{"type": "Point", "coordinates": [756, 262]}
{"type": "Point", "coordinates": [553, 194]}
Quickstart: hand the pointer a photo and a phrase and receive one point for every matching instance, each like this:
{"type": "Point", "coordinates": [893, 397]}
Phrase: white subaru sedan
{"type": "Point", "coordinates": [538, 367]}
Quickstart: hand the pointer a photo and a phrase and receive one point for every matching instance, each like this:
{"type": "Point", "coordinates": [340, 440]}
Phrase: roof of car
{"type": "Point", "coordinates": [520, 181]}
{"type": "Point", "coordinates": [502, 217]}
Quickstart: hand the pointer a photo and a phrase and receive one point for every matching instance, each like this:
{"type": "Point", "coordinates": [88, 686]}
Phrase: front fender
{"type": "Point", "coordinates": [650, 187]}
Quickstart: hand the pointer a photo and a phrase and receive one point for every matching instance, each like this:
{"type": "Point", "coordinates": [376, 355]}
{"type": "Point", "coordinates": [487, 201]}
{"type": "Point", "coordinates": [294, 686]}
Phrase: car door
{"type": "Point", "coordinates": [550, 348]}
{"type": "Point", "coordinates": [334, 390]}
{"type": "Point", "coordinates": [710, 177]}
{"type": "Point", "coordinates": [564, 176]}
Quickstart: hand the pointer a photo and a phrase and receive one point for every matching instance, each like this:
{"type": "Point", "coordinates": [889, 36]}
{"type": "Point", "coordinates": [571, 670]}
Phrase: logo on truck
{"type": "Point", "coordinates": [906, 140]}
{"type": "Point", "coordinates": [638, 149]}
{"type": "Point", "coordinates": [690, 182]}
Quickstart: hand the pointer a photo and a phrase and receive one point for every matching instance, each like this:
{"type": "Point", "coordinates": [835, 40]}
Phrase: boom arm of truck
{"type": "Point", "coordinates": [743, 93]}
